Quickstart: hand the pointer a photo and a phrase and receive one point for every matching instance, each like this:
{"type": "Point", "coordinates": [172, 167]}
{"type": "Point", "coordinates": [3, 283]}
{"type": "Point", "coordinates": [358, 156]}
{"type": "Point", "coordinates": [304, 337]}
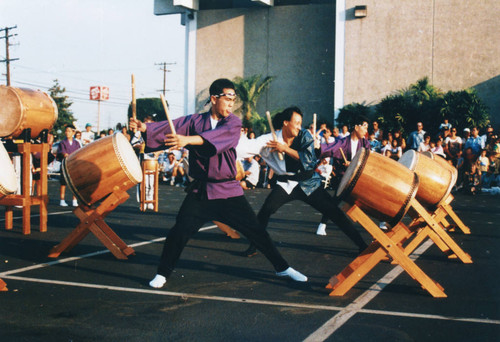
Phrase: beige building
{"type": "Point", "coordinates": [324, 55]}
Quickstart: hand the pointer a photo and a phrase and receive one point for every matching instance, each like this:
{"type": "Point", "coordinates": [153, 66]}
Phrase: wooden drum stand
{"type": "Point", "coordinates": [391, 243]}
{"type": "Point", "coordinates": [92, 220]}
{"type": "Point", "coordinates": [25, 199]}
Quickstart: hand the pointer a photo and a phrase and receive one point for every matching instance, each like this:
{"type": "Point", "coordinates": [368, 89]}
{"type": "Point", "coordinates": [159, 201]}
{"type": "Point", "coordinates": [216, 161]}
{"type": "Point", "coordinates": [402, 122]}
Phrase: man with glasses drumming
{"type": "Point", "coordinates": [215, 194]}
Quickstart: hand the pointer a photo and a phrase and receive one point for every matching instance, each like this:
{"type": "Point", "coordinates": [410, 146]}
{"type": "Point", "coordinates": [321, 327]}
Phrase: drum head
{"type": "Point", "coordinates": [10, 111]}
{"type": "Point", "coordinates": [8, 179]}
{"type": "Point", "coordinates": [353, 169]}
{"type": "Point", "coordinates": [128, 160]}
{"type": "Point", "coordinates": [409, 159]}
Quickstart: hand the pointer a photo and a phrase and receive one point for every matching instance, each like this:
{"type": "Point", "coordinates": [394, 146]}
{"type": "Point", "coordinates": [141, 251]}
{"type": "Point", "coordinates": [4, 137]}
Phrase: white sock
{"type": "Point", "coordinates": [158, 281]}
{"type": "Point", "coordinates": [321, 229]}
{"type": "Point", "coordinates": [293, 274]}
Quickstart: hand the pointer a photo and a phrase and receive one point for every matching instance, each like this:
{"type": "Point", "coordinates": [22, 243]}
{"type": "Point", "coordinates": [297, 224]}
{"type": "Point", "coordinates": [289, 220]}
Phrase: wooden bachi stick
{"type": "Point", "coordinates": [172, 127]}
{"type": "Point", "coordinates": [314, 126]}
{"type": "Point", "coordinates": [343, 155]}
{"type": "Point", "coordinates": [134, 105]}
{"type": "Point", "coordinates": [275, 138]}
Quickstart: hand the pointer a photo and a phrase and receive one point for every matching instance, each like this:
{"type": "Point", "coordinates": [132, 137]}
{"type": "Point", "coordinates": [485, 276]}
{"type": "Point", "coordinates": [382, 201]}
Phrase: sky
{"type": "Point", "coordinates": [84, 43]}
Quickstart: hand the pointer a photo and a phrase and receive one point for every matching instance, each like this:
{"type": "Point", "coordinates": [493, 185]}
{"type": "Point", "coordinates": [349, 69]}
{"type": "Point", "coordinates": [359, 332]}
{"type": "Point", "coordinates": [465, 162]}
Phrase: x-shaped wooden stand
{"type": "Point", "coordinates": [92, 220]}
{"type": "Point", "coordinates": [3, 286]}
{"type": "Point", "coordinates": [391, 244]}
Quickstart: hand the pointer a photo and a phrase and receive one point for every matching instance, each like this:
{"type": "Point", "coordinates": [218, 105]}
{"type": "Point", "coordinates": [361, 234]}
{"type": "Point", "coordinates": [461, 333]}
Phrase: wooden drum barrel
{"type": "Point", "coordinates": [150, 164]}
{"type": "Point", "coordinates": [101, 167]}
{"type": "Point", "coordinates": [25, 108]}
{"type": "Point", "coordinates": [435, 180]}
{"type": "Point", "coordinates": [445, 164]}
{"type": "Point", "coordinates": [8, 180]}
{"type": "Point", "coordinates": [380, 186]}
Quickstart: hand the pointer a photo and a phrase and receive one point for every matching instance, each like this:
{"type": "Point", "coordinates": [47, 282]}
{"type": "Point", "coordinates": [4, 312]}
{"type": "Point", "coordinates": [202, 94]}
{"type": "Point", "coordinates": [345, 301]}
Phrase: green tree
{"type": "Point", "coordinates": [348, 114]}
{"type": "Point", "coordinates": [65, 115]}
{"type": "Point", "coordinates": [465, 109]}
{"type": "Point", "coordinates": [148, 106]}
{"type": "Point", "coordinates": [420, 102]}
{"type": "Point", "coordinates": [249, 91]}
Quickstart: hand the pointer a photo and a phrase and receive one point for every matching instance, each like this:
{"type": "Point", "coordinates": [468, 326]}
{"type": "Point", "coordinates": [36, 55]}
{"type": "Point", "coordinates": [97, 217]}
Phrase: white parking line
{"type": "Point", "coordinates": [344, 314]}
{"type": "Point", "coordinates": [337, 321]}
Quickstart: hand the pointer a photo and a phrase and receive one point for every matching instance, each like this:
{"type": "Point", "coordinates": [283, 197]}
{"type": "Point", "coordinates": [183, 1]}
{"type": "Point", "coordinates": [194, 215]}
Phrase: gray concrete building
{"type": "Point", "coordinates": [324, 55]}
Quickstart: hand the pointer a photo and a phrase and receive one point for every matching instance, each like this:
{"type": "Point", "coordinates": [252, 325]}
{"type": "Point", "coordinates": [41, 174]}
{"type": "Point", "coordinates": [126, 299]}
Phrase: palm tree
{"type": "Point", "coordinates": [249, 91]}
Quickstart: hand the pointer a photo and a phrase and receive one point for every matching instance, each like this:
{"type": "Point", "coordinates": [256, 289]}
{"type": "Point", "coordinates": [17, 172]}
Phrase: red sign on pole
{"type": "Point", "coordinates": [99, 93]}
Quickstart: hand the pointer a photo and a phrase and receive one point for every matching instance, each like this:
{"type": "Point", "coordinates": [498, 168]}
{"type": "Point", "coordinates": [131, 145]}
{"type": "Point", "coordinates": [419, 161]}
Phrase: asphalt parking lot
{"type": "Point", "coordinates": [215, 294]}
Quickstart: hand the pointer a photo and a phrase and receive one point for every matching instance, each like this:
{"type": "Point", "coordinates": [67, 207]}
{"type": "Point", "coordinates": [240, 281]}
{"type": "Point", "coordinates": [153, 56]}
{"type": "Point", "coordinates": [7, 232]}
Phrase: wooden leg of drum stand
{"type": "Point", "coordinates": [449, 211]}
{"type": "Point", "coordinates": [3, 286]}
{"type": "Point", "coordinates": [439, 231]}
{"type": "Point", "coordinates": [92, 220]}
{"type": "Point", "coordinates": [155, 198]}
{"type": "Point", "coordinates": [375, 253]}
{"type": "Point", "coordinates": [9, 217]}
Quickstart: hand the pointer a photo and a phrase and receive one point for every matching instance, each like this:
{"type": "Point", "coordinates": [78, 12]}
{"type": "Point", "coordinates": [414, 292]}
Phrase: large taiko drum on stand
{"type": "Point", "coordinates": [101, 167]}
{"type": "Point", "coordinates": [8, 180]}
{"type": "Point", "coordinates": [435, 180]}
{"type": "Point", "coordinates": [380, 186]}
{"type": "Point", "coordinates": [445, 164]}
{"type": "Point", "coordinates": [25, 108]}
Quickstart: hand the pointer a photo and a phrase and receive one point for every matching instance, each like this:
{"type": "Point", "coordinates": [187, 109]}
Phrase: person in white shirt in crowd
{"type": "Point", "coordinates": [172, 169]}
{"type": "Point", "coordinates": [252, 171]}
{"type": "Point", "coordinates": [345, 132]}
{"type": "Point", "coordinates": [327, 137]}
{"type": "Point", "coordinates": [88, 136]}
{"type": "Point", "coordinates": [438, 147]}
{"type": "Point", "coordinates": [453, 147]}
{"type": "Point", "coordinates": [394, 151]}
{"type": "Point", "coordinates": [445, 124]}
{"type": "Point", "coordinates": [426, 144]}
{"type": "Point", "coordinates": [325, 169]}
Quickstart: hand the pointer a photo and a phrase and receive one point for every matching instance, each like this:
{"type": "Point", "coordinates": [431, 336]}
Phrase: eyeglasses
{"type": "Point", "coordinates": [227, 96]}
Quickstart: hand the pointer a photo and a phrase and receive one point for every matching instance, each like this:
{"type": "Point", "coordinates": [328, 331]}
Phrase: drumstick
{"type": "Point", "coordinates": [134, 105]}
{"type": "Point", "coordinates": [314, 126]}
{"type": "Point", "coordinates": [343, 155]}
{"type": "Point", "coordinates": [172, 127]}
{"type": "Point", "coordinates": [275, 138]}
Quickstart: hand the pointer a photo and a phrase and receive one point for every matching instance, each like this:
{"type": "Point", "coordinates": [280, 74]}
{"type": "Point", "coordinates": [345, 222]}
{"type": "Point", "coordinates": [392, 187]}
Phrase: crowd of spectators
{"type": "Point", "coordinates": [475, 154]}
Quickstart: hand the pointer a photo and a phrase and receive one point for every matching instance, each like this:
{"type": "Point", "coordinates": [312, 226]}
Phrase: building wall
{"type": "Point", "coordinates": [455, 43]}
{"type": "Point", "coordinates": [293, 43]}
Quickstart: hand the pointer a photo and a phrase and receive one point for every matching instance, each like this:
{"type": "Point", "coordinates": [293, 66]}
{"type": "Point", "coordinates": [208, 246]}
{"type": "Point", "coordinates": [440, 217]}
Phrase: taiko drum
{"type": "Point", "coordinates": [25, 108]}
{"type": "Point", "coordinates": [435, 180]}
{"type": "Point", "coordinates": [379, 185]}
{"type": "Point", "coordinates": [102, 167]}
{"type": "Point", "coordinates": [445, 164]}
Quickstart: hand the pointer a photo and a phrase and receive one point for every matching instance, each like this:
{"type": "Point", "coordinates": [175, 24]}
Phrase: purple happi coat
{"type": "Point", "coordinates": [214, 162]}
{"type": "Point", "coordinates": [66, 148]}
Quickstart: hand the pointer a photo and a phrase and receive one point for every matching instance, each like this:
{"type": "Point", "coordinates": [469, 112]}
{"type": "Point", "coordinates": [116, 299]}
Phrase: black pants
{"type": "Point", "coordinates": [235, 212]}
{"type": "Point", "coordinates": [320, 200]}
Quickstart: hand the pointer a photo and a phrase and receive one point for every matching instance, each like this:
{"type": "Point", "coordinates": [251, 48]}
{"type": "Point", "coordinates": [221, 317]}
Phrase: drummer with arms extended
{"type": "Point", "coordinates": [215, 194]}
{"type": "Point", "coordinates": [297, 179]}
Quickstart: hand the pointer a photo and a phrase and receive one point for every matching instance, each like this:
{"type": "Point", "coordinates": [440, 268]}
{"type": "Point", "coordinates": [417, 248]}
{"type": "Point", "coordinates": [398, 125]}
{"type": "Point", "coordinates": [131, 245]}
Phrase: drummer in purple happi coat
{"type": "Point", "coordinates": [214, 194]}
{"type": "Point", "coordinates": [67, 146]}
{"type": "Point", "coordinates": [349, 146]}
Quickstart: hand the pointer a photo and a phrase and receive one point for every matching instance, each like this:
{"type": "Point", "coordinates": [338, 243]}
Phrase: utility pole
{"type": "Point", "coordinates": [165, 70]}
{"type": "Point", "coordinates": [7, 57]}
